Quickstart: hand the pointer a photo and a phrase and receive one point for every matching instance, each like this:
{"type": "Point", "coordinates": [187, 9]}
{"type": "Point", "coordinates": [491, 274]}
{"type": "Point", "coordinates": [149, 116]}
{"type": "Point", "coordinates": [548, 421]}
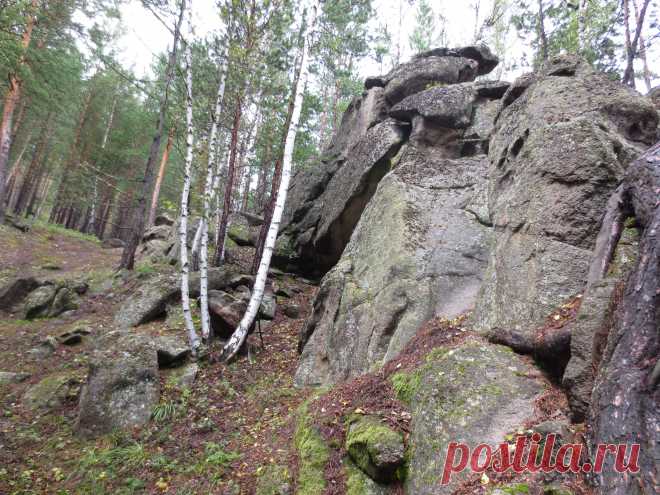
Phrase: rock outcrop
{"type": "Point", "coordinates": [152, 298]}
{"type": "Point", "coordinates": [562, 142]}
{"type": "Point", "coordinates": [326, 201]}
{"type": "Point", "coordinates": [420, 247]}
{"type": "Point", "coordinates": [417, 251]}
{"type": "Point", "coordinates": [476, 393]}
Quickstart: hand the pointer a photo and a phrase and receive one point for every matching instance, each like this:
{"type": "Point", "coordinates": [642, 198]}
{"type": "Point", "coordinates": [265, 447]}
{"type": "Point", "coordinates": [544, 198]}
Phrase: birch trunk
{"type": "Point", "coordinates": [208, 189]}
{"type": "Point", "coordinates": [91, 226]}
{"type": "Point", "coordinates": [582, 18]}
{"type": "Point", "coordinates": [193, 339]}
{"type": "Point", "coordinates": [238, 337]}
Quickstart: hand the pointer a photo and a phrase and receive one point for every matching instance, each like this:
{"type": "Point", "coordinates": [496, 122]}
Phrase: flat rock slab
{"type": "Point", "coordinates": [122, 387]}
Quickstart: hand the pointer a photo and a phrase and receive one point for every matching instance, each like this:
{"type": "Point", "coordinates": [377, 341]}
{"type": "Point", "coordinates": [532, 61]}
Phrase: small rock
{"type": "Point", "coordinates": [37, 304]}
{"type": "Point", "coordinates": [375, 448]}
{"type": "Point", "coordinates": [69, 338]}
{"type": "Point", "coordinates": [15, 291]}
{"type": "Point", "coordinates": [163, 220]}
{"type": "Point", "coordinates": [9, 377]}
{"type": "Point", "coordinates": [65, 300]}
{"type": "Point", "coordinates": [51, 266]}
{"type": "Point", "coordinates": [268, 305]}
{"type": "Point", "coordinates": [184, 377]}
{"type": "Point", "coordinates": [112, 243]}
{"type": "Point", "coordinates": [171, 350]}
{"type": "Point", "coordinates": [292, 311]}
{"type": "Point", "coordinates": [283, 292]}
{"type": "Point", "coordinates": [51, 392]}
{"type": "Point", "coordinates": [45, 348]}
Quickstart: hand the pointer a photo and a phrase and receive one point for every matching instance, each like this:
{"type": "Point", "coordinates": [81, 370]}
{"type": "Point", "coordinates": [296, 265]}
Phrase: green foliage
{"type": "Point", "coordinates": [313, 454]}
{"type": "Point", "coordinates": [423, 35]}
{"type": "Point", "coordinates": [406, 384]}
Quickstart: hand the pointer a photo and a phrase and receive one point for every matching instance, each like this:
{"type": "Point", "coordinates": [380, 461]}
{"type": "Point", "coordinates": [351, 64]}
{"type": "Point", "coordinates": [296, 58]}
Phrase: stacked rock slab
{"type": "Point", "coordinates": [561, 144]}
{"type": "Point", "coordinates": [420, 247]}
{"type": "Point", "coordinates": [325, 201]}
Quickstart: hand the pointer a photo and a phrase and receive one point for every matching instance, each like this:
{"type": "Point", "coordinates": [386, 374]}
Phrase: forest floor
{"type": "Point", "coordinates": [215, 437]}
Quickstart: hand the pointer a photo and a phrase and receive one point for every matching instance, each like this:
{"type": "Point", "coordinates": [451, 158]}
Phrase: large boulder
{"type": "Point", "coordinates": [122, 387]}
{"type": "Point", "coordinates": [561, 144]}
{"type": "Point", "coordinates": [476, 393]}
{"type": "Point", "coordinates": [38, 302]}
{"type": "Point", "coordinates": [416, 252]}
{"type": "Point", "coordinates": [151, 300]}
{"type": "Point", "coordinates": [14, 292]}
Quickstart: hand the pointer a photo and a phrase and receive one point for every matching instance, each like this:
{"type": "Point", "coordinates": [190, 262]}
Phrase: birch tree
{"type": "Point", "coordinates": [193, 339]}
{"type": "Point", "coordinates": [238, 337]}
{"type": "Point", "coordinates": [204, 223]}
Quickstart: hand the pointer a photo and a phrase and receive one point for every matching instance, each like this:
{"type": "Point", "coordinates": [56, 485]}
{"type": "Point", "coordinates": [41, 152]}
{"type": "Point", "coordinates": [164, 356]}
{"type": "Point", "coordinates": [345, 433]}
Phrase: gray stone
{"type": "Point", "coordinates": [112, 243]}
{"type": "Point", "coordinates": [12, 294]}
{"type": "Point", "coordinates": [163, 219]}
{"type": "Point", "coordinates": [375, 448]}
{"type": "Point", "coordinates": [449, 106]}
{"type": "Point", "coordinates": [476, 393]}
{"type": "Point", "coordinates": [326, 202]}
{"type": "Point", "coordinates": [37, 304]}
{"type": "Point", "coordinates": [226, 312]}
{"type": "Point", "coordinates": [122, 387]}
{"type": "Point", "coordinates": [65, 300]}
{"type": "Point", "coordinates": [561, 144]}
{"type": "Point", "coordinates": [172, 350]}
{"type": "Point", "coordinates": [415, 253]}
{"type": "Point", "coordinates": [151, 299]}
{"type": "Point", "coordinates": [10, 377]}
{"type": "Point", "coordinates": [184, 376]}
{"type": "Point", "coordinates": [51, 392]}
{"type": "Point", "coordinates": [292, 311]}
{"type": "Point", "coordinates": [45, 348]}
{"type": "Point", "coordinates": [422, 72]}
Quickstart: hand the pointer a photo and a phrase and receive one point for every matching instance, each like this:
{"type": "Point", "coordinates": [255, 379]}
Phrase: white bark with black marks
{"type": "Point", "coordinates": [240, 334]}
{"type": "Point", "coordinates": [193, 339]}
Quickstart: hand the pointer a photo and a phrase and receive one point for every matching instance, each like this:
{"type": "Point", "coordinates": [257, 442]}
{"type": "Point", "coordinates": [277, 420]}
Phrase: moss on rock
{"type": "Point", "coordinates": [375, 448]}
{"type": "Point", "coordinates": [313, 454]}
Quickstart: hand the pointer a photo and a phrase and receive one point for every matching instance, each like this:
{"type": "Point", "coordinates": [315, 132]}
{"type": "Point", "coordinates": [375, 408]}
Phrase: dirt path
{"type": "Point", "coordinates": [213, 438]}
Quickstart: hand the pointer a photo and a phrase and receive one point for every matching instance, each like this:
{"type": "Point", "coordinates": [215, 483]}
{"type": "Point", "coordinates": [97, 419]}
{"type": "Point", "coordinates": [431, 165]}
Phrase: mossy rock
{"type": "Point", "coordinates": [51, 392]}
{"type": "Point", "coordinates": [313, 455]}
{"type": "Point", "coordinates": [274, 480]}
{"type": "Point", "coordinates": [475, 393]}
{"type": "Point", "coordinates": [375, 448]}
{"type": "Point", "coordinates": [358, 483]}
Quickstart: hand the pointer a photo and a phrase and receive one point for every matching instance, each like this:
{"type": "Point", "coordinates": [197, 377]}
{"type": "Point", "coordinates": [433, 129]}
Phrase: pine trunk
{"type": "Point", "coordinates": [9, 105]}
{"type": "Point", "coordinates": [140, 213]}
{"type": "Point", "coordinates": [159, 178]}
{"type": "Point", "coordinates": [229, 187]}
